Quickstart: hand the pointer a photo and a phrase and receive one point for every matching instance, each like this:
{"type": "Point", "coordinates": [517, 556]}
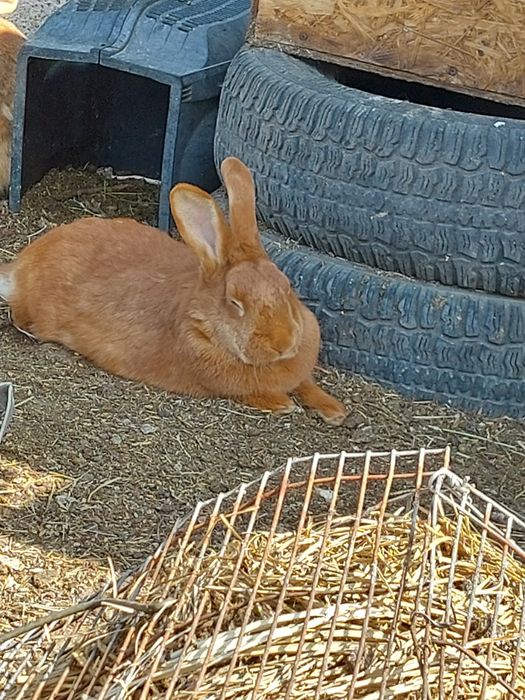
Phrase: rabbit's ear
{"type": "Point", "coordinates": [245, 243]}
{"type": "Point", "coordinates": [201, 224]}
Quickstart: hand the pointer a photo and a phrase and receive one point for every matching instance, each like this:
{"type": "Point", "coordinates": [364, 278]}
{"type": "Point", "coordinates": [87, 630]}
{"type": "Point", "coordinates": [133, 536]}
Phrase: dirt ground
{"type": "Point", "coordinates": [30, 14]}
{"type": "Point", "coordinates": [97, 468]}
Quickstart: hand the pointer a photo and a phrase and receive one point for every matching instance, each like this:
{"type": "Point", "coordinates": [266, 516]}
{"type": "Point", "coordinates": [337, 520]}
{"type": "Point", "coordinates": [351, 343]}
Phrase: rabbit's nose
{"type": "Point", "coordinates": [291, 352]}
{"type": "Point", "coordinates": [282, 340]}
{"type": "Point", "coordinates": [285, 349]}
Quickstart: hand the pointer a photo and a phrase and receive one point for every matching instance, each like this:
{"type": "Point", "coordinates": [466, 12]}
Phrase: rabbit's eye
{"type": "Point", "coordinates": [237, 305]}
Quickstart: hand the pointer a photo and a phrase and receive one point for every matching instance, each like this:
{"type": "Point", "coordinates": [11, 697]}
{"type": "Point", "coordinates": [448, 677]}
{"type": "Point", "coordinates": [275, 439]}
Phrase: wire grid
{"type": "Point", "coordinates": [101, 638]}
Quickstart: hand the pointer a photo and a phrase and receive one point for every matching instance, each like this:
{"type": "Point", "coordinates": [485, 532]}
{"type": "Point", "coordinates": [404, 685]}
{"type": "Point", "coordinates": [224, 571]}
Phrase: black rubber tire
{"type": "Point", "coordinates": [434, 194]}
{"type": "Point", "coordinates": [426, 341]}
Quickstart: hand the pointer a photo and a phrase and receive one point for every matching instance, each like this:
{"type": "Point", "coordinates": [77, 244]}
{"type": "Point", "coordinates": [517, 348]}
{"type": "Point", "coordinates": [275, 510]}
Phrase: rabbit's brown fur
{"type": "Point", "coordinates": [214, 317]}
{"type": "Point", "coordinates": [11, 41]}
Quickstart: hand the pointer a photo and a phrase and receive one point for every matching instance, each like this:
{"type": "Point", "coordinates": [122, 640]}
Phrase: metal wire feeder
{"type": "Point", "coordinates": [145, 626]}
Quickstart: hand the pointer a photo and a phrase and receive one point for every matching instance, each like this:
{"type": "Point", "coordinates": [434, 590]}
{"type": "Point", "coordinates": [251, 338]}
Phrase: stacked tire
{"type": "Point", "coordinates": [409, 223]}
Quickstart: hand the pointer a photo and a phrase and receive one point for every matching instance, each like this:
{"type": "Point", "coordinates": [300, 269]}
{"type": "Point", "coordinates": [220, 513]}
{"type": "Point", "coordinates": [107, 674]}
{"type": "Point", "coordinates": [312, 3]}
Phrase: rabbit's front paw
{"type": "Point", "coordinates": [273, 403]}
{"type": "Point", "coordinates": [330, 409]}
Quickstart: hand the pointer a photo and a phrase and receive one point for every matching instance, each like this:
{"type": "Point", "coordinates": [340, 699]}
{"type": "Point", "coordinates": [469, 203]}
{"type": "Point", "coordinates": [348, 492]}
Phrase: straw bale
{"type": "Point", "coordinates": [476, 45]}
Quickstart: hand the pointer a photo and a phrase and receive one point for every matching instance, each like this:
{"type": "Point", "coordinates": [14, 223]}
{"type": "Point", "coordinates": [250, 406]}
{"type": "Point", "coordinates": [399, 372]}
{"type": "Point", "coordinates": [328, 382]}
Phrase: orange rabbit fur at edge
{"type": "Point", "coordinates": [11, 41]}
{"type": "Point", "coordinates": [210, 316]}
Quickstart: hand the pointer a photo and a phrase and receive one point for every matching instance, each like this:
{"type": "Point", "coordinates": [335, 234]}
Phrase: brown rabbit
{"type": "Point", "coordinates": [11, 41]}
{"type": "Point", "coordinates": [214, 317]}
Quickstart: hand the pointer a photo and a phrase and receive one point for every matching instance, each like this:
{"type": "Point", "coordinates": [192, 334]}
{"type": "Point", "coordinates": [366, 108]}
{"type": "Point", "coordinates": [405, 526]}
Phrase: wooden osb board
{"type": "Point", "coordinates": [473, 45]}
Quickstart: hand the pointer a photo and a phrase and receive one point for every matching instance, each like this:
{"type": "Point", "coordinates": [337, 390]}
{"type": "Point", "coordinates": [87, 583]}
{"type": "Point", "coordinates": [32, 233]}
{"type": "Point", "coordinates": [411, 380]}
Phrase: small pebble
{"type": "Point", "coordinates": [63, 500]}
{"type": "Point", "coordinates": [326, 494]}
{"type": "Point", "coordinates": [164, 411]}
{"type": "Point", "coordinates": [148, 429]}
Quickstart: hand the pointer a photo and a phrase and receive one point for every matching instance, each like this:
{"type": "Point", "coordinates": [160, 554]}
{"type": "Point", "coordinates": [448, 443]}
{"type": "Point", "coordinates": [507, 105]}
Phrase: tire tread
{"type": "Point", "coordinates": [434, 194]}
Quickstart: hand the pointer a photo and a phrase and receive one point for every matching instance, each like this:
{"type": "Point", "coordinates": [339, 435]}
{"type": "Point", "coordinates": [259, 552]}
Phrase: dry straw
{"type": "Point", "coordinates": [406, 599]}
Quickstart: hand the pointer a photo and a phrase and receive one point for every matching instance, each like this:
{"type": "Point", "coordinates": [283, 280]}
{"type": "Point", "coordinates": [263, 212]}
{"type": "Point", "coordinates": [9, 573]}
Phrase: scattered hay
{"type": "Point", "coordinates": [20, 484]}
{"type": "Point", "coordinates": [32, 578]}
